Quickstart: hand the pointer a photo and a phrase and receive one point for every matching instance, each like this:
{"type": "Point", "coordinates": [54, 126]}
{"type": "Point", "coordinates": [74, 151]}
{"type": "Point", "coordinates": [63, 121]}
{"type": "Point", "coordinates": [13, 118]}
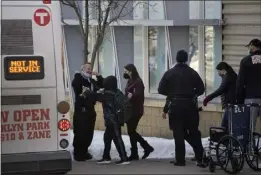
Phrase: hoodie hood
{"type": "Point", "coordinates": [110, 83]}
{"type": "Point", "coordinates": [182, 56]}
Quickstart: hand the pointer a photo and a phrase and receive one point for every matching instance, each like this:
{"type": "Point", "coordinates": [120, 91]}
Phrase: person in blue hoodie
{"type": "Point", "coordinates": [113, 126]}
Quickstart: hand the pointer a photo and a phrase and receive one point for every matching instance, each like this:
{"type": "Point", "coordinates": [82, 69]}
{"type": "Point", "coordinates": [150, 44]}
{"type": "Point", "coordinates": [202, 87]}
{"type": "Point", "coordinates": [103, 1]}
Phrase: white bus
{"type": "Point", "coordinates": [35, 120]}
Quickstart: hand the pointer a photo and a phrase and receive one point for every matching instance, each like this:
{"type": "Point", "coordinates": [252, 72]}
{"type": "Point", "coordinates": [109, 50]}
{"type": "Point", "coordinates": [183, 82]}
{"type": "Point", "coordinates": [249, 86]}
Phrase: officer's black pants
{"type": "Point", "coordinates": [135, 136]}
{"type": "Point", "coordinates": [113, 132]}
{"type": "Point", "coordinates": [185, 120]}
{"type": "Point", "coordinates": [83, 129]}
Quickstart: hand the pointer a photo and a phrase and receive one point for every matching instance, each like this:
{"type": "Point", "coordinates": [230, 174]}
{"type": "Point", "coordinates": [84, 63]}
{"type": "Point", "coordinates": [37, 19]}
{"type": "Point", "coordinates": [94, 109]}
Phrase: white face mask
{"type": "Point", "coordinates": [87, 75]}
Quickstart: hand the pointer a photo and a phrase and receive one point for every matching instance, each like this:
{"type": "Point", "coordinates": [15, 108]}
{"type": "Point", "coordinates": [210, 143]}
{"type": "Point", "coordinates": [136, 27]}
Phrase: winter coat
{"type": "Point", "coordinates": [77, 84]}
{"type": "Point", "coordinates": [181, 81]}
{"type": "Point", "coordinates": [107, 98]}
{"type": "Point", "coordinates": [226, 90]}
{"type": "Point", "coordinates": [136, 87]}
{"type": "Point", "coordinates": [249, 81]}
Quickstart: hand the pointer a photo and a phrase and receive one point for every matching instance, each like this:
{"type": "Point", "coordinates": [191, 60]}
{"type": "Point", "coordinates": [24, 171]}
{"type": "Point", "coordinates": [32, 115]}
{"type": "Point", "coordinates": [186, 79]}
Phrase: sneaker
{"type": "Point", "coordinates": [202, 165]}
{"type": "Point", "coordinates": [79, 159]}
{"type": "Point", "coordinates": [179, 163]}
{"type": "Point", "coordinates": [147, 152]}
{"type": "Point", "coordinates": [131, 158]}
{"type": "Point", "coordinates": [88, 156]}
{"type": "Point", "coordinates": [104, 161]}
{"type": "Point", "coordinates": [122, 162]}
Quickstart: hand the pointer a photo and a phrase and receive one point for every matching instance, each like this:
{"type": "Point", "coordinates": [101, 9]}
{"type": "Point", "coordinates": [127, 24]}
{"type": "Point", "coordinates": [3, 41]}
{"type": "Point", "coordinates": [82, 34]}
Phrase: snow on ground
{"type": "Point", "coordinates": [163, 148]}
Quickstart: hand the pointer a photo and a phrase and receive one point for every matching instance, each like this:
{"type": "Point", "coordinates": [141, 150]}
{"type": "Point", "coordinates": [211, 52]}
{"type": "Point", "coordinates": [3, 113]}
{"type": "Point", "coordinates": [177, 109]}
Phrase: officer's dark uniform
{"type": "Point", "coordinates": [182, 85]}
{"type": "Point", "coordinates": [84, 116]}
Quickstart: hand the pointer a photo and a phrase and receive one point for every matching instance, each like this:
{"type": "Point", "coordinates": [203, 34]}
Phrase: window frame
{"type": "Point", "coordinates": [168, 59]}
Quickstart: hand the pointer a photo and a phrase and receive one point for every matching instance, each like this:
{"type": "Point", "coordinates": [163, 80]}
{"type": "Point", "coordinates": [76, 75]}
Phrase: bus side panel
{"type": "Point", "coordinates": [30, 126]}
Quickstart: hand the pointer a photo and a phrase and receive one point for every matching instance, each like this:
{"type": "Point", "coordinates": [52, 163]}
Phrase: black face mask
{"type": "Point", "coordinates": [126, 76]}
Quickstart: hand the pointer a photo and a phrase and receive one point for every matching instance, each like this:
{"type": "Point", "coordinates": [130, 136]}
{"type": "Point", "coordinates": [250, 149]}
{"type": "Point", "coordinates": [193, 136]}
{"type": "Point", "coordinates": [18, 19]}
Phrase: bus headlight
{"type": "Point", "coordinates": [64, 143]}
{"type": "Point", "coordinates": [63, 107]}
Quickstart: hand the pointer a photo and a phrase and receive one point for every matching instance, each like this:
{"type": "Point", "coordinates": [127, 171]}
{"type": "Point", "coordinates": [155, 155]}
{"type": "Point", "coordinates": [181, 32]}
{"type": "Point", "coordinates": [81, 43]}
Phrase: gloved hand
{"type": "Point", "coordinates": [205, 101]}
{"type": "Point", "coordinates": [164, 115]}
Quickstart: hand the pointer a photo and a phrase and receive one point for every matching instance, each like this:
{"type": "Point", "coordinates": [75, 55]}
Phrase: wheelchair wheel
{"type": "Point", "coordinates": [253, 152]}
{"type": "Point", "coordinates": [230, 155]}
{"type": "Point", "coordinates": [212, 166]}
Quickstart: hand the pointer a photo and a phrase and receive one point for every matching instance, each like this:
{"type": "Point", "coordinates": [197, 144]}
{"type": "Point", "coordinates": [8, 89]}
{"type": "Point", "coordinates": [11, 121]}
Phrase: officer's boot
{"type": "Point", "coordinates": [134, 154]}
{"type": "Point", "coordinates": [147, 148]}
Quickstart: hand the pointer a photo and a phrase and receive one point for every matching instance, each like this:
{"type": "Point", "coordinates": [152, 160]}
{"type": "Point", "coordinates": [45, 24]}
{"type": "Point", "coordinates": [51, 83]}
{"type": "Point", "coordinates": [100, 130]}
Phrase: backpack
{"type": "Point", "coordinates": [123, 107]}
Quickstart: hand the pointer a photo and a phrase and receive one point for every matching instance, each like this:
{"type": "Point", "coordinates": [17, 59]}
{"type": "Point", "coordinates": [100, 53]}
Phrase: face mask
{"type": "Point", "coordinates": [126, 76]}
{"type": "Point", "coordinates": [221, 75]}
{"type": "Point", "coordinates": [86, 75]}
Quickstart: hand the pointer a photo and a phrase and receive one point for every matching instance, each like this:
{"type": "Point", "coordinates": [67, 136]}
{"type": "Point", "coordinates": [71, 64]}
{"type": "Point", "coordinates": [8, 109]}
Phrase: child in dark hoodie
{"type": "Point", "coordinates": [112, 124]}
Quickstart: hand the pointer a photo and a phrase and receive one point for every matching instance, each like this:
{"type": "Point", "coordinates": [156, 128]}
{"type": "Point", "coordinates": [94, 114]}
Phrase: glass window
{"type": "Point", "coordinates": [104, 7]}
{"type": "Point", "coordinates": [209, 62]}
{"type": "Point", "coordinates": [193, 48]}
{"type": "Point", "coordinates": [156, 53]}
{"type": "Point", "coordinates": [212, 54]}
{"type": "Point", "coordinates": [156, 10]}
{"type": "Point", "coordinates": [213, 9]}
{"type": "Point", "coordinates": [148, 10]}
{"type": "Point", "coordinates": [138, 49]}
{"type": "Point", "coordinates": [140, 10]}
{"type": "Point", "coordinates": [205, 9]}
{"type": "Point", "coordinates": [194, 9]}
{"type": "Point", "coordinates": [106, 55]}
{"type": "Point", "coordinates": [213, 50]}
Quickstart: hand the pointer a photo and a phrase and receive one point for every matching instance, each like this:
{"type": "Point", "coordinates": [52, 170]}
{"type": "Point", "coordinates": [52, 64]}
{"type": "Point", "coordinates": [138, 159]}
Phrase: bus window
{"type": "Point", "coordinates": [17, 37]}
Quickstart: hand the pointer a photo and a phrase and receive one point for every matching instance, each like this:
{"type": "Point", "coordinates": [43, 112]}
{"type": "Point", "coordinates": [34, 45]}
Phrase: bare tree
{"type": "Point", "coordinates": [104, 12]}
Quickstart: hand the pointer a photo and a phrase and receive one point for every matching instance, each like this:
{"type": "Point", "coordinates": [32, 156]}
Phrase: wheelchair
{"type": "Point", "coordinates": [236, 144]}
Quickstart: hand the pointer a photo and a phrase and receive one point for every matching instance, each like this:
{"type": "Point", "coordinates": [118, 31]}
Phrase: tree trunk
{"type": "Point", "coordinates": [86, 33]}
{"type": "Point", "coordinates": [95, 50]}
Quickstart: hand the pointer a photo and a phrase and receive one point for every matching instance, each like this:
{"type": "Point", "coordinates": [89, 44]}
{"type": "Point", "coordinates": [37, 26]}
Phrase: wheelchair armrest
{"type": "Point", "coordinates": [217, 128]}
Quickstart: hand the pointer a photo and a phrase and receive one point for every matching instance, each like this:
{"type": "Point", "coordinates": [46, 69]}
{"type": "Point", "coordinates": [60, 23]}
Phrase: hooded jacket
{"type": "Point", "coordinates": [249, 81]}
{"type": "Point", "coordinates": [226, 90]}
{"type": "Point", "coordinates": [106, 97]}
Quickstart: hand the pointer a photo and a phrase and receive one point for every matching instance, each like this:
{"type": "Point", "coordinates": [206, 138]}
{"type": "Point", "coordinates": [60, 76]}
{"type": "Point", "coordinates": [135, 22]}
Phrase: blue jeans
{"type": "Point", "coordinates": [225, 119]}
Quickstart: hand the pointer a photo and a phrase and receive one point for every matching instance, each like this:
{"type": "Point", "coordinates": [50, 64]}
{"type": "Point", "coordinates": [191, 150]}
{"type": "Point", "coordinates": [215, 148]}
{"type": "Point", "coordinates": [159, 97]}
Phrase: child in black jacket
{"type": "Point", "coordinates": [112, 124]}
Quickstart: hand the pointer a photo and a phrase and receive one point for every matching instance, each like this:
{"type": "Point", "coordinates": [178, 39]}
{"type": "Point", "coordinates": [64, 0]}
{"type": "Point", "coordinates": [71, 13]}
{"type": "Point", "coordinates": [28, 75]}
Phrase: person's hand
{"type": "Point", "coordinates": [129, 95]}
{"type": "Point", "coordinates": [164, 115]}
{"type": "Point", "coordinates": [84, 88]}
{"type": "Point", "coordinates": [205, 101]}
{"type": "Point", "coordinates": [100, 90]}
{"type": "Point", "coordinates": [95, 73]}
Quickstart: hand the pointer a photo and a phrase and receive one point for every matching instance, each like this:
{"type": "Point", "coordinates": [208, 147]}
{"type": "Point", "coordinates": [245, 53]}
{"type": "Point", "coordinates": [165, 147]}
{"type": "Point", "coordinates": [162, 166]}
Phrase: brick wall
{"type": "Point", "coordinates": [152, 124]}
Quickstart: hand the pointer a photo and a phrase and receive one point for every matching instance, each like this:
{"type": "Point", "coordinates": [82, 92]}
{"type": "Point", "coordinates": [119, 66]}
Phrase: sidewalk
{"type": "Point", "coordinates": [152, 166]}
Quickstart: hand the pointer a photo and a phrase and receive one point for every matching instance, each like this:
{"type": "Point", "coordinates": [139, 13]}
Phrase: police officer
{"type": "Point", "coordinates": [183, 85]}
{"type": "Point", "coordinates": [249, 82]}
{"type": "Point", "coordinates": [84, 113]}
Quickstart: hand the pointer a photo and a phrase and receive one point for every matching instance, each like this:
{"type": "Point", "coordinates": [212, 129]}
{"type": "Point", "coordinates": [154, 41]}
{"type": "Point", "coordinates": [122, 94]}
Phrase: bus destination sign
{"type": "Point", "coordinates": [24, 67]}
